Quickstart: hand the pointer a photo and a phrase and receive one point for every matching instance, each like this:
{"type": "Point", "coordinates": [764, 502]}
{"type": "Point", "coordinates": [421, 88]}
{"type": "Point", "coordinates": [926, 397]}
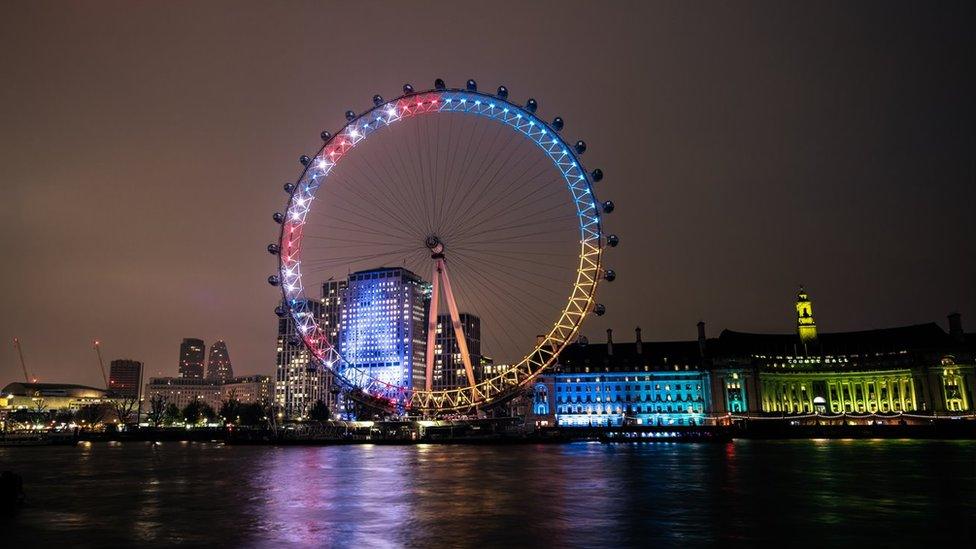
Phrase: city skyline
{"type": "Point", "coordinates": [831, 168]}
{"type": "Point", "coordinates": [559, 273]}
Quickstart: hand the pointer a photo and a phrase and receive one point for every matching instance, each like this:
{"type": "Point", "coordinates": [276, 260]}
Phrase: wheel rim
{"type": "Point", "coordinates": [579, 303]}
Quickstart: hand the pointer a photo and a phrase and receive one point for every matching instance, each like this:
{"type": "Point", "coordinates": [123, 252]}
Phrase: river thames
{"type": "Point", "coordinates": [824, 493]}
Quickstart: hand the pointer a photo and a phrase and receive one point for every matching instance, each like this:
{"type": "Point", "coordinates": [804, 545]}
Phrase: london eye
{"type": "Point", "coordinates": [465, 237]}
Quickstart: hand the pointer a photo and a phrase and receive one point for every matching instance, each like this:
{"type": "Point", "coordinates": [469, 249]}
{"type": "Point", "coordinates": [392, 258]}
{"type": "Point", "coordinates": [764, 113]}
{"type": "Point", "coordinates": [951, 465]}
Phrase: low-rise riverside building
{"type": "Point", "coordinates": [182, 390]}
{"type": "Point", "coordinates": [906, 373]}
{"type": "Point", "coordinates": [614, 384]}
{"type": "Point", "coordinates": [50, 396]}
{"type": "Point", "coordinates": [249, 389]}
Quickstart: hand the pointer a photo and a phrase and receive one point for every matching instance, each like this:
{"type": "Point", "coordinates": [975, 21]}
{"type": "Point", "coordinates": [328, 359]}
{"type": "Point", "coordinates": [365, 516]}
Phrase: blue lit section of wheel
{"type": "Point", "coordinates": [512, 122]}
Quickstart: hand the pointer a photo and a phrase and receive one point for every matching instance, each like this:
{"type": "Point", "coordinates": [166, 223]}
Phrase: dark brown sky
{"type": "Point", "coordinates": [750, 148]}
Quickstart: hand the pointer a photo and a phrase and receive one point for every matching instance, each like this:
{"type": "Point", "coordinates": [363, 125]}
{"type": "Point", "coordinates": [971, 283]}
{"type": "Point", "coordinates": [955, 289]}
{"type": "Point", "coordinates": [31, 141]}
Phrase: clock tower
{"type": "Point", "coordinates": [805, 326]}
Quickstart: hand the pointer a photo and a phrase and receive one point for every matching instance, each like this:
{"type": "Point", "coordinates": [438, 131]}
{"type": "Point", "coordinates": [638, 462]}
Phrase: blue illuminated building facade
{"type": "Point", "coordinates": [635, 383]}
{"type": "Point", "coordinates": [382, 324]}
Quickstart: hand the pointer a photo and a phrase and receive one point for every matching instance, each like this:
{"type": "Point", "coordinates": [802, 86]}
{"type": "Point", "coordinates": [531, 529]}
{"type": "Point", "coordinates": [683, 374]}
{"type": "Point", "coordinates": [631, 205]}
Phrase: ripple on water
{"type": "Point", "coordinates": [834, 492]}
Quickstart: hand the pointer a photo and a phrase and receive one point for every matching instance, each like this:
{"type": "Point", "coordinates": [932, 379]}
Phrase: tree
{"type": "Point", "coordinates": [39, 407]}
{"type": "Point", "coordinates": [253, 413]}
{"type": "Point", "coordinates": [37, 413]}
{"type": "Point", "coordinates": [171, 414]}
{"type": "Point", "coordinates": [93, 414]}
{"type": "Point", "coordinates": [124, 407]}
{"type": "Point", "coordinates": [230, 410]}
{"type": "Point", "coordinates": [209, 414]}
{"type": "Point", "coordinates": [357, 410]}
{"type": "Point", "coordinates": [320, 411]}
{"type": "Point", "coordinates": [157, 406]}
{"type": "Point", "coordinates": [198, 412]}
{"type": "Point", "coordinates": [23, 416]}
{"type": "Point", "coordinates": [192, 412]}
{"type": "Point", "coordinates": [64, 416]}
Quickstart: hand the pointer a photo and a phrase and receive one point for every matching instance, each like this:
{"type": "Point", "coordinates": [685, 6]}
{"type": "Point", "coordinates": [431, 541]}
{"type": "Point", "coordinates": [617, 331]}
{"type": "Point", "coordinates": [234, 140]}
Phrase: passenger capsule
{"type": "Point", "coordinates": [613, 240]}
{"type": "Point", "coordinates": [608, 206]}
{"type": "Point", "coordinates": [407, 89]}
{"type": "Point", "coordinates": [610, 275]}
{"type": "Point", "coordinates": [599, 309]}
{"type": "Point", "coordinates": [326, 136]}
{"type": "Point", "coordinates": [580, 147]}
{"type": "Point", "coordinates": [350, 115]}
{"type": "Point", "coordinates": [273, 280]}
{"type": "Point", "coordinates": [289, 187]}
{"type": "Point", "coordinates": [377, 100]}
{"type": "Point", "coordinates": [280, 311]}
{"type": "Point", "coordinates": [294, 341]}
{"type": "Point", "coordinates": [439, 84]}
{"type": "Point", "coordinates": [273, 249]}
{"type": "Point", "coordinates": [531, 105]}
{"type": "Point", "coordinates": [471, 85]}
{"type": "Point", "coordinates": [278, 217]}
{"type": "Point", "coordinates": [557, 123]}
{"type": "Point", "coordinates": [304, 159]}
{"type": "Point", "coordinates": [597, 175]}
{"type": "Point", "coordinates": [502, 92]}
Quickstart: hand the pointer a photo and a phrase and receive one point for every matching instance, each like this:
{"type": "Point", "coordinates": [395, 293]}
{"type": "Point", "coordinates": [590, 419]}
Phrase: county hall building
{"type": "Point", "coordinates": [908, 373]}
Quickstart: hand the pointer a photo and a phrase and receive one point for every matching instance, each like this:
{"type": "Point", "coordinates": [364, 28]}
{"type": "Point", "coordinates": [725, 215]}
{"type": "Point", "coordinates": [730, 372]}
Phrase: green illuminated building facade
{"type": "Point", "coordinates": [918, 370]}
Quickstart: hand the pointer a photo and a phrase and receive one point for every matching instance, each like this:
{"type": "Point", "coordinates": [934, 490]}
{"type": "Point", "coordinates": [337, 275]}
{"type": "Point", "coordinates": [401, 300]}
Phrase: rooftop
{"type": "Point", "coordinates": [71, 390]}
{"type": "Point", "coordinates": [886, 340]}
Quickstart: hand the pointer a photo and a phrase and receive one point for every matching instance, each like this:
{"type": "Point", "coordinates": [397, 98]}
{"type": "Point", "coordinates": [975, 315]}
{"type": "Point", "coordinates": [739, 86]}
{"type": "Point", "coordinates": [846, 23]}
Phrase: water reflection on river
{"type": "Point", "coordinates": [876, 493]}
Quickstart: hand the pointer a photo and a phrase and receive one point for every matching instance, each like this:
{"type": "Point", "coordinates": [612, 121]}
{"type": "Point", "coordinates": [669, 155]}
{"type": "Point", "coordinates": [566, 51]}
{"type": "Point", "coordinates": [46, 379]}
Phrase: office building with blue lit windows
{"type": "Point", "coordinates": [383, 319]}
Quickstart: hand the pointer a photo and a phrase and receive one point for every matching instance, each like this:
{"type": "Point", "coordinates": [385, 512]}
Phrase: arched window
{"type": "Point", "coordinates": [540, 399]}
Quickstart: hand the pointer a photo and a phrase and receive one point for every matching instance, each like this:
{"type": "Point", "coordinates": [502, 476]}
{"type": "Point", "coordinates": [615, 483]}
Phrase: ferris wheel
{"type": "Point", "coordinates": [461, 243]}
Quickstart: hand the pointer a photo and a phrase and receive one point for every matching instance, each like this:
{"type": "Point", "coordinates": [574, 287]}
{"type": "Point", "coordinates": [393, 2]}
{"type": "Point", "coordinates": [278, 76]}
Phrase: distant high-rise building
{"type": "Point", "coordinates": [333, 292]}
{"type": "Point", "coordinates": [382, 325]}
{"type": "Point", "coordinates": [192, 354]}
{"type": "Point", "coordinates": [448, 367]}
{"type": "Point", "coordinates": [299, 381]}
{"type": "Point", "coordinates": [125, 378]}
{"type": "Point", "coordinates": [218, 363]}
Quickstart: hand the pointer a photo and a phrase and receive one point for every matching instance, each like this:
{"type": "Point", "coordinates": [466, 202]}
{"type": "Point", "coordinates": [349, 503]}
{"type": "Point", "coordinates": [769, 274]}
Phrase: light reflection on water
{"type": "Point", "coordinates": [813, 492]}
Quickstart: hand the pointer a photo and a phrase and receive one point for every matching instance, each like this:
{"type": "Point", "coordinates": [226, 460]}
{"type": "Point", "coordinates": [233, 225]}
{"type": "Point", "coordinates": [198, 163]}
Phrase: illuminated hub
{"type": "Point", "coordinates": [435, 245]}
{"type": "Point", "coordinates": [440, 279]}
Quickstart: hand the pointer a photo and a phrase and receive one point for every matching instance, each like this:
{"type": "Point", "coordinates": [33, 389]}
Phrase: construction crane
{"type": "Point", "coordinates": [20, 353]}
{"type": "Point", "coordinates": [101, 363]}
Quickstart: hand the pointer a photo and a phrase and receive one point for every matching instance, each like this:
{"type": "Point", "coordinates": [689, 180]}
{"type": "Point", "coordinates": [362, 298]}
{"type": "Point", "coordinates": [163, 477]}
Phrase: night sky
{"type": "Point", "coordinates": [750, 148]}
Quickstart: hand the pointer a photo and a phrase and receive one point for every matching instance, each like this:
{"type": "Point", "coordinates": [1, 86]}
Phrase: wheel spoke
{"type": "Point", "coordinates": [476, 193]}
